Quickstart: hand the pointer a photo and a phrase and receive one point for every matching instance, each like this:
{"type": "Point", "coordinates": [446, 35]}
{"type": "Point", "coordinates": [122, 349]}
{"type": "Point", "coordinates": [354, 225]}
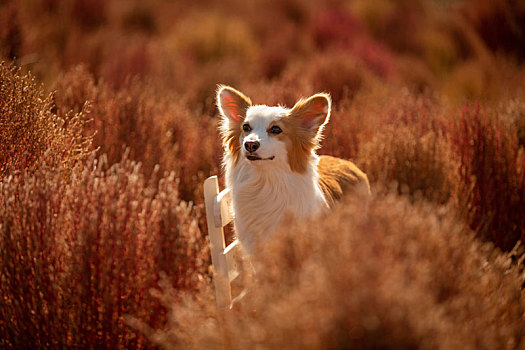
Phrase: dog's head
{"type": "Point", "coordinates": [263, 135]}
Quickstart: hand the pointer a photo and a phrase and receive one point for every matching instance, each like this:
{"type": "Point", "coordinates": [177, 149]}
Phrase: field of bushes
{"type": "Point", "coordinates": [108, 128]}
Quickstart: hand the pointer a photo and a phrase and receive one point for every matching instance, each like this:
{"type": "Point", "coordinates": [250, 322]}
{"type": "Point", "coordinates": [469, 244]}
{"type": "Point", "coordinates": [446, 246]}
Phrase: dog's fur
{"type": "Point", "coordinates": [284, 176]}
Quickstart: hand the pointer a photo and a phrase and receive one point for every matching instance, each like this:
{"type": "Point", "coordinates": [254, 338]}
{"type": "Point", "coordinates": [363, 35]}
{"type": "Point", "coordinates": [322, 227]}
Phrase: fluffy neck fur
{"type": "Point", "coordinates": [264, 194]}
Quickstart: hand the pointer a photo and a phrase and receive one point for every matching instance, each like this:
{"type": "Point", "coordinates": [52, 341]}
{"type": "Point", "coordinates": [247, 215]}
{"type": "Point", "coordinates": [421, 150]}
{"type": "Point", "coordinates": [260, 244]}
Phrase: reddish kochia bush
{"type": "Point", "coordinates": [80, 248]}
{"type": "Point", "coordinates": [400, 142]}
{"type": "Point", "coordinates": [419, 165]}
{"type": "Point", "coordinates": [399, 276]}
{"type": "Point", "coordinates": [77, 257]}
{"type": "Point", "coordinates": [335, 27]}
{"type": "Point", "coordinates": [30, 132]}
{"type": "Point", "coordinates": [492, 174]}
{"type": "Point", "coordinates": [337, 74]}
{"type": "Point", "coordinates": [159, 130]}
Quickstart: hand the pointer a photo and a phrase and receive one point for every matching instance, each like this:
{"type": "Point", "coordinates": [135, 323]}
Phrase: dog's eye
{"type": "Point", "coordinates": [275, 130]}
{"type": "Point", "coordinates": [246, 127]}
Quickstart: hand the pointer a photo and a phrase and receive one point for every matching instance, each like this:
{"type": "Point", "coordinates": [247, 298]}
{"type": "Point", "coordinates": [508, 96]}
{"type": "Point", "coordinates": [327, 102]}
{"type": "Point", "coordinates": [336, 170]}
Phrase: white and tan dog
{"type": "Point", "coordinates": [271, 165]}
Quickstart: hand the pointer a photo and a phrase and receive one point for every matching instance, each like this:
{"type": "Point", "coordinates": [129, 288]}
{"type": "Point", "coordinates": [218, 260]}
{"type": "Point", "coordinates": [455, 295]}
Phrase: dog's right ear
{"type": "Point", "coordinates": [232, 104]}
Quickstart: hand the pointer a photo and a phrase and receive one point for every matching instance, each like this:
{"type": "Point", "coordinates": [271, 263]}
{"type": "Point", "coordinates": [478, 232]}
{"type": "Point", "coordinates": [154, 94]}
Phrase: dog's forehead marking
{"type": "Point", "coordinates": [261, 116]}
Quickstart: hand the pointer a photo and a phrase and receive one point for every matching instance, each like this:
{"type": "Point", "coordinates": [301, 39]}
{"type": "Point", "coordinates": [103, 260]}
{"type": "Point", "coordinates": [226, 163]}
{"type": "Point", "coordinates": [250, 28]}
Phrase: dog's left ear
{"type": "Point", "coordinates": [232, 104]}
{"type": "Point", "coordinates": [313, 112]}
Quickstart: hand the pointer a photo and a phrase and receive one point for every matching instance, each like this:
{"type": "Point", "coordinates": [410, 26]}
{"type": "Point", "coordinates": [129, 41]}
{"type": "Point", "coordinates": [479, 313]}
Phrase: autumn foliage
{"type": "Point", "coordinates": [108, 127]}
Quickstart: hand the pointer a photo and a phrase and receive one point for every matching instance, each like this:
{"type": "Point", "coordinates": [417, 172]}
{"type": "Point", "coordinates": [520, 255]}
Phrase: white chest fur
{"type": "Point", "coordinates": [262, 196]}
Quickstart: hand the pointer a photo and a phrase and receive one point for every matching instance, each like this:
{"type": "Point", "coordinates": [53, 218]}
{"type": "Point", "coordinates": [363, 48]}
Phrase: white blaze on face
{"type": "Point", "coordinates": [259, 119]}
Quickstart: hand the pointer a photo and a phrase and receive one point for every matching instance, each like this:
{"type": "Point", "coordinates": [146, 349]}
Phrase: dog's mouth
{"type": "Point", "coordinates": [252, 157]}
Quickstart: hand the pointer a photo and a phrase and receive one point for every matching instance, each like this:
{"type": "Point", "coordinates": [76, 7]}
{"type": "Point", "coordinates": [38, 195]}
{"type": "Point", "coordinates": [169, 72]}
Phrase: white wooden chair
{"type": "Point", "coordinates": [225, 259]}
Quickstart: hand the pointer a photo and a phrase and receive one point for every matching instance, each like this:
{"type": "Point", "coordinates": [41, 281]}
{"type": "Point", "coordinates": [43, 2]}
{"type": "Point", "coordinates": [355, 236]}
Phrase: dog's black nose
{"type": "Point", "coordinates": [251, 146]}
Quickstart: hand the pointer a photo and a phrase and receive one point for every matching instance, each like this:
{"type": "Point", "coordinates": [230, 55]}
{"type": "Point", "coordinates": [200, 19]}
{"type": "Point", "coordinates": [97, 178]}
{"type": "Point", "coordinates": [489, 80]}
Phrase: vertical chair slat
{"type": "Point", "coordinates": [222, 208]}
{"type": "Point", "coordinates": [232, 254]}
{"type": "Point", "coordinates": [224, 259]}
{"type": "Point", "coordinates": [217, 244]}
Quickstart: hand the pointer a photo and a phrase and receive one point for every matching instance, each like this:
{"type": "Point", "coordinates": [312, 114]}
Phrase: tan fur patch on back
{"type": "Point", "coordinates": [338, 177]}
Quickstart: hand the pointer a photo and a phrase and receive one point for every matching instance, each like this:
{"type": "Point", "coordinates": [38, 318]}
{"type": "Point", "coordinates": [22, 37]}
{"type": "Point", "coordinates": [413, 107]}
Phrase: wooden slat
{"type": "Point", "coordinates": [217, 244]}
{"type": "Point", "coordinates": [225, 260]}
{"type": "Point", "coordinates": [222, 209]}
{"type": "Point", "coordinates": [232, 254]}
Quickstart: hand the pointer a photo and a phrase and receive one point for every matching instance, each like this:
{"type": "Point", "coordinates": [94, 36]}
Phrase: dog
{"type": "Point", "coordinates": [271, 165]}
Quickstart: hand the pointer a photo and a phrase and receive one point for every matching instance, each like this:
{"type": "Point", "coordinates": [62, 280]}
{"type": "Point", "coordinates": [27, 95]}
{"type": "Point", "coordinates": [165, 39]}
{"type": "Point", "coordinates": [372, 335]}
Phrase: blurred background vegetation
{"type": "Point", "coordinates": [108, 127]}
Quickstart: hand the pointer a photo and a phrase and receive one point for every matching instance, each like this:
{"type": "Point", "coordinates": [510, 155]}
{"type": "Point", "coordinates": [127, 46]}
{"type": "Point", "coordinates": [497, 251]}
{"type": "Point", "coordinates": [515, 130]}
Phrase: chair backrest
{"type": "Point", "coordinates": [224, 258]}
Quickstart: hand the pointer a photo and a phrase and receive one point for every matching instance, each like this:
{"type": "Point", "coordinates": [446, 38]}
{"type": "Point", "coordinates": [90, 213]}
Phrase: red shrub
{"type": "Point", "coordinates": [335, 28]}
{"type": "Point", "coordinates": [158, 130]}
{"type": "Point", "coordinates": [81, 242]}
{"type": "Point", "coordinates": [421, 165]}
{"type": "Point", "coordinates": [400, 276]}
{"type": "Point", "coordinates": [492, 169]}
{"type": "Point", "coordinates": [375, 57]}
{"type": "Point", "coordinates": [396, 24]}
{"type": "Point", "coordinates": [340, 31]}
{"type": "Point", "coordinates": [77, 257]}
{"type": "Point", "coordinates": [338, 73]}
{"type": "Point", "coordinates": [133, 60]}
{"type": "Point", "coordinates": [30, 132]}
